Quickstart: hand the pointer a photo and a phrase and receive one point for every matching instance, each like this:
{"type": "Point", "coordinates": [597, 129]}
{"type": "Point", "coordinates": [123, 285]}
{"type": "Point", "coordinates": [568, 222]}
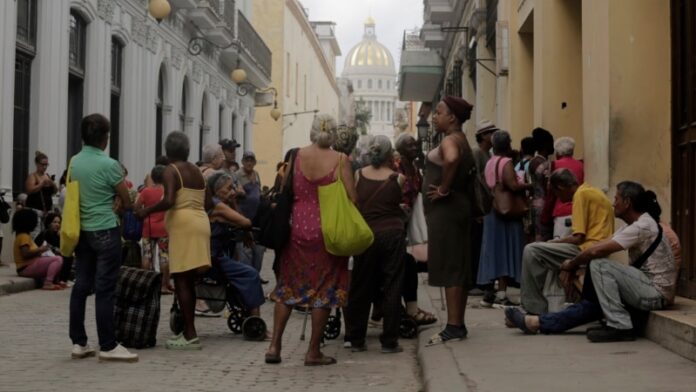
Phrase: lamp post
{"type": "Point", "coordinates": [423, 128]}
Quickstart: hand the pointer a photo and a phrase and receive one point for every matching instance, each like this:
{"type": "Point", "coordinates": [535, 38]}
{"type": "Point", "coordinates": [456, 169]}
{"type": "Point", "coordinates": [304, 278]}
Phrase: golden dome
{"type": "Point", "coordinates": [370, 53]}
{"type": "Point", "coordinates": [370, 21]}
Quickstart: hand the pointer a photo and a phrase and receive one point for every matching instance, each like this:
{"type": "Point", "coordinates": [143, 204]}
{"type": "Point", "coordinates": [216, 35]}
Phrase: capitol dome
{"type": "Point", "coordinates": [369, 56]}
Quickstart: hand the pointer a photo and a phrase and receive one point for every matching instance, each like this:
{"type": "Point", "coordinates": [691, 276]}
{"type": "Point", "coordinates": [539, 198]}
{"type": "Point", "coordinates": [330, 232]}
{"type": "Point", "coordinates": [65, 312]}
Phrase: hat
{"type": "Point", "coordinates": [229, 144]}
{"type": "Point", "coordinates": [485, 126]}
{"type": "Point", "coordinates": [248, 155]}
{"type": "Point", "coordinates": [459, 107]}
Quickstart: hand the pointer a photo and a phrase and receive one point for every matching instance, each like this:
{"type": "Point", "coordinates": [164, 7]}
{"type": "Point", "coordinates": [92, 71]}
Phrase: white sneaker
{"type": "Point", "coordinates": [119, 353]}
{"type": "Point", "coordinates": [79, 352]}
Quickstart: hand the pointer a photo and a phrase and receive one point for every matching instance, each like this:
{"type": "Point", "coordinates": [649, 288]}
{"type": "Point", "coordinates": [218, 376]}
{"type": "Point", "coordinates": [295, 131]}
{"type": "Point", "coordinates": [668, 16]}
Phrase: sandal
{"type": "Point", "coordinates": [52, 287]}
{"type": "Point", "coordinates": [324, 360]}
{"type": "Point", "coordinates": [447, 335]}
{"type": "Point", "coordinates": [424, 318]}
{"type": "Point", "coordinates": [179, 342]}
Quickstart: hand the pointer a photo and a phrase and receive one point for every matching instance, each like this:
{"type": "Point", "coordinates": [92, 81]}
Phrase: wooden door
{"type": "Point", "coordinates": [684, 138]}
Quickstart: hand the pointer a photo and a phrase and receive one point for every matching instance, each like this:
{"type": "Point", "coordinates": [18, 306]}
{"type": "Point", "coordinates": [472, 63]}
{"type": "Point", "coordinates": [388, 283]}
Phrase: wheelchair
{"type": "Point", "coordinates": [219, 297]}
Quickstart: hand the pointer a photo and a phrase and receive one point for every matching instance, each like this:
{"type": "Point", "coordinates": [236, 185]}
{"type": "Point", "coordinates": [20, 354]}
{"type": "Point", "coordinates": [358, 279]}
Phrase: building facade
{"type": "Point", "coordinates": [370, 67]}
{"type": "Point", "coordinates": [76, 57]}
{"type": "Point", "coordinates": [305, 59]}
{"type": "Point", "coordinates": [617, 76]}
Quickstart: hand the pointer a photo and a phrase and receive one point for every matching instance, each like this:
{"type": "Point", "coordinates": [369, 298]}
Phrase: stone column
{"type": "Point", "coordinates": [8, 34]}
{"type": "Point", "coordinates": [98, 68]}
{"type": "Point", "coordinates": [226, 125]}
{"type": "Point", "coordinates": [239, 130]}
{"type": "Point", "coordinates": [49, 83]}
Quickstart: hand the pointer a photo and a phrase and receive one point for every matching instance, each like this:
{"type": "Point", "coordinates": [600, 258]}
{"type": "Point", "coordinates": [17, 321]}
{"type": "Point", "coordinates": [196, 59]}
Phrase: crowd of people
{"type": "Point", "coordinates": [492, 217]}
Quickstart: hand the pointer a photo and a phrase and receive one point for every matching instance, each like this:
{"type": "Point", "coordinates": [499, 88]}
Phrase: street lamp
{"type": "Point", "coordinates": [159, 9]}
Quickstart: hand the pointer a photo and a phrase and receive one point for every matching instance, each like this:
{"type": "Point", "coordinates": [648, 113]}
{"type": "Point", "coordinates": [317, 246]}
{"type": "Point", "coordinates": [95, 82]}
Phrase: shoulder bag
{"type": "Point", "coordinates": [275, 223]}
{"type": "Point", "coordinates": [507, 204]}
{"type": "Point", "coordinates": [70, 225]}
{"type": "Point", "coordinates": [344, 229]}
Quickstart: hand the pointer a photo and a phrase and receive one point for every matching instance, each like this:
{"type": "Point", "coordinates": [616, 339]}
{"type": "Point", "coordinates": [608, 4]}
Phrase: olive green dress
{"type": "Point", "coordinates": [449, 224]}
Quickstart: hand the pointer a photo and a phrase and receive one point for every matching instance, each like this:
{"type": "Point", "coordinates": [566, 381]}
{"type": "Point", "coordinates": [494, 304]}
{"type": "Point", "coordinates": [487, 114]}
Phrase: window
{"type": "Point", "coordinates": [158, 114]}
{"type": "Point", "coordinates": [182, 113]}
{"type": "Point", "coordinates": [77, 44]}
{"type": "Point", "coordinates": [359, 84]}
{"type": "Point", "coordinates": [388, 84]}
{"type": "Point", "coordinates": [379, 84]}
{"type": "Point", "coordinates": [202, 128]}
{"type": "Point", "coordinates": [76, 54]}
{"type": "Point", "coordinates": [369, 83]}
{"type": "Point", "coordinates": [26, 50]}
{"type": "Point", "coordinates": [116, 76]}
{"type": "Point", "coordinates": [26, 25]}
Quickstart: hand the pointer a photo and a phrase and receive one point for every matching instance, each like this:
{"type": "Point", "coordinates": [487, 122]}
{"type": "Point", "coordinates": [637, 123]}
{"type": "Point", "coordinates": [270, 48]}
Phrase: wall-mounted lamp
{"type": "Point", "coordinates": [159, 9]}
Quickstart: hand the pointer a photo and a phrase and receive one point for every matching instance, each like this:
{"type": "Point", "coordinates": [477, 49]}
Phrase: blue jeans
{"type": "Point", "coordinates": [97, 265]}
{"type": "Point", "coordinates": [573, 316]}
{"type": "Point", "coordinates": [244, 278]}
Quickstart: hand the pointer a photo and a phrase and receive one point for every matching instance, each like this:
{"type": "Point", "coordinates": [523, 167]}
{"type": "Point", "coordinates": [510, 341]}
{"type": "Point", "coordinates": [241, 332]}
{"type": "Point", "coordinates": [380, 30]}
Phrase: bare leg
{"type": "Point", "coordinates": [281, 314]}
{"type": "Point", "coordinates": [184, 286]}
{"type": "Point", "coordinates": [166, 278]}
{"type": "Point", "coordinates": [319, 319]}
{"type": "Point", "coordinates": [456, 305]}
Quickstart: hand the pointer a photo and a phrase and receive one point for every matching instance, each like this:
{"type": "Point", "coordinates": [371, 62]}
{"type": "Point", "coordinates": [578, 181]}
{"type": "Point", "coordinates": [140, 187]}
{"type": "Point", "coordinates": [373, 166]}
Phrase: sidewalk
{"type": "Point", "coordinates": [495, 358]}
{"type": "Point", "coordinates": [11, 283]}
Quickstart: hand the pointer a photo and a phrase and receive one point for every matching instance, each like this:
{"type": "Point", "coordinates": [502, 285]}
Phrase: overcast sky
{"type": "Point", "coordinates": [392, 17]}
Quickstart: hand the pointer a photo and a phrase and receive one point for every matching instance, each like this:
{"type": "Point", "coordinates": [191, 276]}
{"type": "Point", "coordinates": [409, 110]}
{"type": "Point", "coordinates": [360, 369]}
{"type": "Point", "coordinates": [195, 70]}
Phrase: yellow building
{"type": "Point", "coordinates": [304, 64]}
{"type": "Point", "coordinates": [617, 76]}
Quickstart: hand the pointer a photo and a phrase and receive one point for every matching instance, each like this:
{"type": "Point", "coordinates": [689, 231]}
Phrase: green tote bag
{"type": "Point", "coordinates": [345, 231]}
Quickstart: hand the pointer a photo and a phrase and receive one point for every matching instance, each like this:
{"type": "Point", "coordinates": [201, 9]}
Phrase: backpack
{"type": "Point", "coordinates": [132, 226]}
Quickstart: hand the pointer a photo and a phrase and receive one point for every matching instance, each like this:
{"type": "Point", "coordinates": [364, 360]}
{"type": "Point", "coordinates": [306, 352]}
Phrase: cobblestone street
{"type": "Point", "coordinates": [36, 356]}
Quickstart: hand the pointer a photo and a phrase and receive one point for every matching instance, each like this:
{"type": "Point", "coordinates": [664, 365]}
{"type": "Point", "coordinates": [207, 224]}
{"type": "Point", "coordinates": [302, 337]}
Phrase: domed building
{"type": "Point", "coordinates": [370, 67]}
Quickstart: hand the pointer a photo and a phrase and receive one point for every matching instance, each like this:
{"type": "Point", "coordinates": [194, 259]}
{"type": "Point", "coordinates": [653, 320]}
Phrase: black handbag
{"type": "Point", "coordinates": [274, 223]}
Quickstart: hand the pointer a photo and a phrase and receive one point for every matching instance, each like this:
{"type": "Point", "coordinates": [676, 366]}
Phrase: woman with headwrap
{"type": "Point", "coordinates": [449, 175]}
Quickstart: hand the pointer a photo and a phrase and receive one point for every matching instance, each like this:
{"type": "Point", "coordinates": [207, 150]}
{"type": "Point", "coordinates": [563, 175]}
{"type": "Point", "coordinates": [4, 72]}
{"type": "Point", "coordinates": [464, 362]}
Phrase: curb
{"type": "Point", "coordinates": [439, 369]}
{"type": "Point", "coordinates": [17, 285]}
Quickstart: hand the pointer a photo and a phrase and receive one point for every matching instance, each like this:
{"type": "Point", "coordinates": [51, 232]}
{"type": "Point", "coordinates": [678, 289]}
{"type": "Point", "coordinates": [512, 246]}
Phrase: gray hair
{"type": "Point", "coordinates": [401, 141]}
{"type": "Point", "coordinates": [216, 181]}
{"type": "Point", "coordinates": [210, 152]}
{"type": "Point", "coordinates": [564, 146]}
{"type": "Point", "coordinates": [380, 151]}
{"type": "Point", "coordinates": [563, 178]}
{"type": "Point", "coordinates": [501, 141]}
{"type": "Point", "coordinates": [177, 146]}
{"type": "Point", "coordinates": [630, 190]}
{"type": "Point", "coordinates": [323, 132]}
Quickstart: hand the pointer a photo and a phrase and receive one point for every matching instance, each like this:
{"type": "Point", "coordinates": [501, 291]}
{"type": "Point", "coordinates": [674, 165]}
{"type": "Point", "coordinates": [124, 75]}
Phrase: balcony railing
{"type": "Point", "coordinates": [253, 43]}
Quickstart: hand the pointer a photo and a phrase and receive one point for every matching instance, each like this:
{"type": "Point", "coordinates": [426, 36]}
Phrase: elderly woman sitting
{"type": "Point", "coordinates": [243, 277]}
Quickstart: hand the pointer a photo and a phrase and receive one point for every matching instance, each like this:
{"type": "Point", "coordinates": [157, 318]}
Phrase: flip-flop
{"type": "Point", "coordinates": [444, 336]}
{"type": "Point", "coordinates": [424, 318]}
{"type": "Point", "coordinates": [272, 358]}
{"type": "Point", "coordinates": [516, 317]}
{"type": "Point", "coordinates": [324, 360]}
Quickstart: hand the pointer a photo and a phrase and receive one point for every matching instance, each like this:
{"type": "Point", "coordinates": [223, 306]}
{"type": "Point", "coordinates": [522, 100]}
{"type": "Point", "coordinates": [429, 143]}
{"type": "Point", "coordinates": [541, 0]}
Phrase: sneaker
{"type": "Point", "coordinates": [118, 354]}
{"type": "Point", "coordinates": [347, 344]}
{"type": "Point", "coordinates": [609, 334]}
{"type": "Point", "coordinates": [79, 352]}
{"type": "Point", "coordinates": [488, 300]}
{"type": "Point", "coordinates": [207, 313]}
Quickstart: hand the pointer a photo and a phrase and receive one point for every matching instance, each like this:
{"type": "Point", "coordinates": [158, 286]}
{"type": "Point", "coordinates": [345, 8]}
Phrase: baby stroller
{"type": "Point", "coordinates": [220, 296]}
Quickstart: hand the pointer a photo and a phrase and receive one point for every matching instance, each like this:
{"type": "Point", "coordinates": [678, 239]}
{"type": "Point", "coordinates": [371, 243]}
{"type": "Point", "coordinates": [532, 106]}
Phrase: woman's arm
{"type": "Point", "coordinates": [510, 179]}
{"type": "Point", "coordinates": [347, 177]}
{"type": "Point", "coordinates": [31, 185]}
{"type": "Point", "coordinates": [449, 151]}
{"type": "Point", "coordinates": [30, 254]}
{"type": "Point", "coordinates": [225, 212]}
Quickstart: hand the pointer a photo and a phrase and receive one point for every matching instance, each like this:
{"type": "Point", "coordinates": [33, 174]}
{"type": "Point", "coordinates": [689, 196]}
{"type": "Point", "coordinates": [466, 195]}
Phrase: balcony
{"type": "Point", "coordinates": [223, 33]}
{"type": "Point", "coordinates": [432, 36]}
{"type": "Point", "coordinates": [439, 11]}
{"type": "Point", "coordinates": [252, 54]}
{"type": "Point", "coordinates": [187, 4]}
{"type": "Point", "coordinates": [421, 70]}
{"type": "Point", "coordinates": [207, 15]}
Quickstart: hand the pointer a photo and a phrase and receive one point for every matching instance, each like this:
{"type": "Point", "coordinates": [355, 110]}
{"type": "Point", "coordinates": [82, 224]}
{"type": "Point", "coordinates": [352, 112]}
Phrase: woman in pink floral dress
{"type": "Point", "coordinates": [309, 275]}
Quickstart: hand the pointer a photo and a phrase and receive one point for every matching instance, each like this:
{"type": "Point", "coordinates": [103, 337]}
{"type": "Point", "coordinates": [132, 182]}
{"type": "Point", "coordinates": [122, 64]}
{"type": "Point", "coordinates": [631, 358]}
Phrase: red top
{"type": "Point", "coordinates": [576, 167]}
{"type": "Point", "coordinates": [153, 226]}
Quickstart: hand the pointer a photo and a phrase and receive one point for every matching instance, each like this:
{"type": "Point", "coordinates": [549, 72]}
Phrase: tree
{"type": "Point", "coordinates": [363, 115]}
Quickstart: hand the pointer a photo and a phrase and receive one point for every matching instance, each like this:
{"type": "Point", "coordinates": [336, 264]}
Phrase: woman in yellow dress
{"type": "Point", "coordinates": [185, 200]}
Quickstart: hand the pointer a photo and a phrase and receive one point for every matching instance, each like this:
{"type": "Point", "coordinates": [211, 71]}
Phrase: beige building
{"type": "Point", "coordinates": [304, 63]}
{"type": "Point", "coordinates": [614, 75]}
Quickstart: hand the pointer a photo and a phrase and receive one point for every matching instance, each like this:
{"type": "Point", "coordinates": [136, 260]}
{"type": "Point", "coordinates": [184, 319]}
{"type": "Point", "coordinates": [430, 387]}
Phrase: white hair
{"type": "Point", "coordinates": [564, 146]}
{"type": "Point", "coordinates": [380, 151]}
{"type": "Point", "coordinates": [402, 140]}
{"type": "Point", "coordinates": [323, 132]}
{"type": "Point", "coordinates": [210, 152]}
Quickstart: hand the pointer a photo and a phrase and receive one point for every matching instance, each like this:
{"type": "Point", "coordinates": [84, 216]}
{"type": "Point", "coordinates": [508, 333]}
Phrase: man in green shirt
{"type": "Point", "coordinates": [98, 252]}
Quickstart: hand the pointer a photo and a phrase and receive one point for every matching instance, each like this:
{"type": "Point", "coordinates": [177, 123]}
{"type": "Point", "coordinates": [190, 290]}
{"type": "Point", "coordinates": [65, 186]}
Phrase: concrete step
{"type": "Point", "coordinates": [10, 283]}
{"type": "Point", "coordinates": [675, 328]}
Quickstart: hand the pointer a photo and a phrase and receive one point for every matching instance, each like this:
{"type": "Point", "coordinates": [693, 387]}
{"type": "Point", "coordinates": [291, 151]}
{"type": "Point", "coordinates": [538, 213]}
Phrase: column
{"type": "Point", "coordinates": [8, 33]}
{"type": "Point", "coordinates": [131, 127]}
{"type": "Point", "coordinates": [239, 130]}
{"type": "Point", "coordinates": [48, 122]}
{"type": "Point", "coordinates": [98, 68]}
